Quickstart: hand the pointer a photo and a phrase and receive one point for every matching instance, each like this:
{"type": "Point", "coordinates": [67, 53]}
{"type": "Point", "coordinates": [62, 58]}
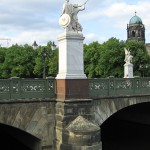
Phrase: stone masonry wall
{"type": "Point", "coordinates": [36, 118]}
{"type": "Point", "coordinates": [105, 107]}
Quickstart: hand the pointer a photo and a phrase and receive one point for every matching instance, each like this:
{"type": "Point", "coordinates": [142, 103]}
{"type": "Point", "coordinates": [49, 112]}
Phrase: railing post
{"type": "Point", "coordinates": [51, 86]}
{"type": "Point", "coordinates": [136, 84]}
{"type": "Point", "coordinates": [111, 86]}
{"type": "Point", "coordinates": [15, 88]}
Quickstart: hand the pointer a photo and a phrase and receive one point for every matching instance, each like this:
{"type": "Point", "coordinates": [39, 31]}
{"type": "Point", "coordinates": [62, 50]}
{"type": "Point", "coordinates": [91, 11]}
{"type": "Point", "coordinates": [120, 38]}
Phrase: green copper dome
{"type": "Point", "coordinates": [135, 20]}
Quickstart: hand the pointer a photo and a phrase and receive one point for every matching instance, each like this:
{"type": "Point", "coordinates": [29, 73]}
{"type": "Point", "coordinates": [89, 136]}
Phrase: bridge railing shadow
{"type": "Point", "coordinates": [17, 88]}
{"type": "Point", "coordinates": [109, 87]}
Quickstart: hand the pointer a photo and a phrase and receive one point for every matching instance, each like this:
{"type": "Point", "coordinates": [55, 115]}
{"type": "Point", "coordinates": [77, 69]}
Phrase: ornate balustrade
{"type": "Point", "coordinates": [118, 87]}
{"type": "Point", "coordinates": [17, 88]}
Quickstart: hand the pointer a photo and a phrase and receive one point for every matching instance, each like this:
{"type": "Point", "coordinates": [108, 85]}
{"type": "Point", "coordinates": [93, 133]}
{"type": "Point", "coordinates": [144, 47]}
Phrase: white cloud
{"type": "Point", "coordinates": [27, 20]}
{"type": "Point", "coordinates": [93, 37]}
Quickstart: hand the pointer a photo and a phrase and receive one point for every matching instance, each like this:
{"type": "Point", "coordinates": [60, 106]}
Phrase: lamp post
{"type": "Point", "coordinates": [46, 55]}
{"type": "Point", "coordinates": [143, 68]}
{"type": "Point", "coordinates": [35, 45]}
{"type": "Point", "coordinates": [53, 46]}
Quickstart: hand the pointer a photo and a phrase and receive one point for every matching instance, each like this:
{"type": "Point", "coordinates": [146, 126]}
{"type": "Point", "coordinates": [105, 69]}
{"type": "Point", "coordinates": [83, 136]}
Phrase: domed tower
{"type": "Point", "coordinates": [136, 29]}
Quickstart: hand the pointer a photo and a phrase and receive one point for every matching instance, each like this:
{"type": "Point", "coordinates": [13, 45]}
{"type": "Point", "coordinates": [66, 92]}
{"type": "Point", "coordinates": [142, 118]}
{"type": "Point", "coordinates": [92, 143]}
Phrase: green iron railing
{"type": "Point", "coordinates": [17, 88]}
{"type": "Point", "coordinates": [118, 87]}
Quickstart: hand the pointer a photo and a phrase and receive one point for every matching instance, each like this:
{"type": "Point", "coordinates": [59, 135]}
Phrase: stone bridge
{"type": "Point", "coordinates": [32, 117]}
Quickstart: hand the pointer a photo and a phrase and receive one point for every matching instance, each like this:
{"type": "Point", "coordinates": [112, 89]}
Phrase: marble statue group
{"type": "Point", "coordinates": [128, 56]}
{"type": "Point", "coordinates": [128, 66]}
{"type": "Point", "coordinates": [69, 16]}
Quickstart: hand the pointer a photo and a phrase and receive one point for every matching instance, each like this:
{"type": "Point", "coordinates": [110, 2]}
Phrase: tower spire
{"type": "Point", "coordinates": [135, 13]}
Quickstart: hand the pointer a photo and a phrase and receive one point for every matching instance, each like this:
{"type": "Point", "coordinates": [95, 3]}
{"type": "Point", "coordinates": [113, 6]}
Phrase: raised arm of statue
{"type": "Point", "coordinates": [69, 16]}
{"type": "Point", "coordinates": [128, 56]}
{"type": "Point", "coordinates": [83, 4]}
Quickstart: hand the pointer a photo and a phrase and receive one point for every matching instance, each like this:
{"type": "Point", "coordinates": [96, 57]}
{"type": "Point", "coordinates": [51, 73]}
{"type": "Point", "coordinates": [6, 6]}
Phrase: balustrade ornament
{"type": "Point", "coordinates": [27, 88]}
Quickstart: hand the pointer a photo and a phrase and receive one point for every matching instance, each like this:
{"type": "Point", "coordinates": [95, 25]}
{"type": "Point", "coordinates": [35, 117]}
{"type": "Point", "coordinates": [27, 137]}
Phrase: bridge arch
{"type": "Point", "coordinates": [35, 118]}
{"type": "Point", "coordinates": [129, 128]}
{"type": "Point", "coordinates": [14, 138]}
{"type": "Point", "coordinates": [105, 107]}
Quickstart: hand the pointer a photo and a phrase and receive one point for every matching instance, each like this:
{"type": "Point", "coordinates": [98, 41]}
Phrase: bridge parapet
{"type": "Point", "coordinates": [16, 88]}
{"type": "Point", "coordinates": [110, 87]}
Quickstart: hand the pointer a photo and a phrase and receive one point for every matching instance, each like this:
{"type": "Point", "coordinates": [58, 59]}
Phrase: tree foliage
{"type": "Point", "coordinates": [25, 62]}
{"type": "Point", "coordinates": [141, 58]}
{"type": "Point", "coordinates": [47, 58]}
{"type": "Point", "coordinates": [100, 60]}
{"type": "Point", "coordinates": [91, 59]}
{"type": "Point", "coordinates": [107, 59]}
{"type": "Point", "coordinates": [19, 62]}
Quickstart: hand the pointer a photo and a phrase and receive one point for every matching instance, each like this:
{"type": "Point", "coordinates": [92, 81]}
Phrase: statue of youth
{"type": "Point", "coordinates": [128, 56]}
{"type": "Point", "coordinates": [69, 18]}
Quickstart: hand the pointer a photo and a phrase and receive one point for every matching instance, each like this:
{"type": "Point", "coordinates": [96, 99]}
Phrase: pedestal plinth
{"type": "Point", "coordinates": [72, 89]}
{"type": "Point", "coordinates": [71, 64]}
{"type": "Point", "coordinates": [128, 70]}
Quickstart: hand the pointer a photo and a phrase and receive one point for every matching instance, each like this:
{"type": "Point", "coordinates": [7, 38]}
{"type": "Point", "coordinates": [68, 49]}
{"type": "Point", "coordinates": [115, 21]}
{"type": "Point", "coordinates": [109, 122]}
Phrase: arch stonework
{"type": "Point", "coordinates": [35, 118]}
{"type": "Point", "coordinates": [106, 107]}
{"type": "Point", "coordinates": [38, 118]}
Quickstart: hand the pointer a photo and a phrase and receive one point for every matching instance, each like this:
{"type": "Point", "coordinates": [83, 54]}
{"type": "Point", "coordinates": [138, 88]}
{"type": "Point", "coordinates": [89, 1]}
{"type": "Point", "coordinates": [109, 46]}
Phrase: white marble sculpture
{"type": "Point", "coordinates": [71, 64]}
{"type": "Point", "coordinates": [128, 56]}
{"type": "Point", "coordinates": [69, 16]}
{"type": "Point", "coordinates": [128, 66]}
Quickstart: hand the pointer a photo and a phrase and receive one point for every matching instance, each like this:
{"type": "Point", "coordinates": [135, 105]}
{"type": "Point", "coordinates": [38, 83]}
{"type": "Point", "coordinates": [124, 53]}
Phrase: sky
{"type": "Point", "coordinates": [26, 21]}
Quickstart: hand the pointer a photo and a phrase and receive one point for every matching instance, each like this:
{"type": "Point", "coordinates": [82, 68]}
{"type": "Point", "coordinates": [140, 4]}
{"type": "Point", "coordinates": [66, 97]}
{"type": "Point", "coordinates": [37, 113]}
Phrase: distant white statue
{"type": "Point", "coordinates": [69, 18]}
{"type": "Point", "coordinates": [128, 56]}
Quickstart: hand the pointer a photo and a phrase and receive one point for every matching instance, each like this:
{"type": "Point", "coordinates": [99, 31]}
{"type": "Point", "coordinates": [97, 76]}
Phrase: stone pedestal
{"type": "Point", "coordinates": [81, 134]}
{"type": "Point", "coordinates": [72, 94]}
{"type": "Point", "coordinates": [72, 89]}
{"type": "Point", "coordinates": [128, 70]}
{"type": "Point", "coordinates": [71, 56]}
{"type": "Point", "coordinates": [66, 112]}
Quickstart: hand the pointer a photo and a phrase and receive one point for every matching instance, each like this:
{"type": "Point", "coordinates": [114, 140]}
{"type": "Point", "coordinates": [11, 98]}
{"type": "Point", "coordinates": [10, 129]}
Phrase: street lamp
{"type": "Point", "coordinates": [143, 68]}
{"type": "Point", "coordinates": [44, 55]}
{"type": "Point", "coordinates": [35, 45]}
{"type": "Point", "coordinates": [53, 46]}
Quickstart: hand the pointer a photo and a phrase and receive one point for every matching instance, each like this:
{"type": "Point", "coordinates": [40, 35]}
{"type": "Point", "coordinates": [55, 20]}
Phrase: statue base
{"type": "Point", "coordinates": [72, 89]}
{"type": "Point", "coordinates": [128, 70]}
{"type": "Point", "coordinates": [71, 64]}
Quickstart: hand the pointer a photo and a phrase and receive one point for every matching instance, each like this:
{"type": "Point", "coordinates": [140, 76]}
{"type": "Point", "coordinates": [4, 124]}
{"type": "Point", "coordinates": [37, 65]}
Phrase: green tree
{"type": "Point", "coordinates": [2, 59]}
{"type": "Point", "coordinates": [107, 59]}
{"type": "Point", "coordinates": [91, 59]}
{"type": "Point", "coordinates": [112, 58]}
{"type": "Point", "coordinates": [19, 62]}
{"type": "Point", "coordinates": [141, 58]}
{"type": "Point", "coordinates": [46, 61]}
{"type": "Point", "coordinates": [53, 63]}
{"type": "Point", "coordinates": [103, 60]}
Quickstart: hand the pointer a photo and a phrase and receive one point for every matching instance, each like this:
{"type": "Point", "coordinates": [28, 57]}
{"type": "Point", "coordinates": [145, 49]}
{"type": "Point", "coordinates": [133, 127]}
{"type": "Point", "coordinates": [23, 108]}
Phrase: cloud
{"type": "Point", "coordinates": [41, 37]}
{"type": "Point", "coordinates": [27, 20]}
{"type": "Point", "coordinates": [90, 37]}
{"type": "Point", "coordinates": [24, 21]}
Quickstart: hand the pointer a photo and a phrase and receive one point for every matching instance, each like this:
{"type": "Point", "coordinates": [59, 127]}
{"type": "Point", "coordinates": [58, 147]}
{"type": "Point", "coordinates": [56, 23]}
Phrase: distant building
{"type": "Point", "coordinates": [148, 47]}
{"type": "Point", "coordinates": [136, 29]}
